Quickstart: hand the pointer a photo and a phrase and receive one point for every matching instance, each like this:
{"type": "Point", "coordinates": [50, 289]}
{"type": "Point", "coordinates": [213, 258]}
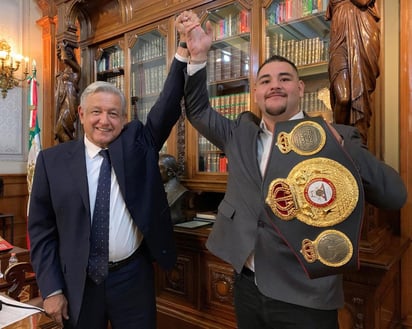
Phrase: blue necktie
{"type": "Point", "coordinates": [99, 240]}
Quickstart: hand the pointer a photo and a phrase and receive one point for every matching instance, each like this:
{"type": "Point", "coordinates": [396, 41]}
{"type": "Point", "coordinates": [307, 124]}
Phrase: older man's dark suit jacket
{"type": "Point", "coordinates": [242, 225]}
{"type": "Point", "coordinates": [59, 214]}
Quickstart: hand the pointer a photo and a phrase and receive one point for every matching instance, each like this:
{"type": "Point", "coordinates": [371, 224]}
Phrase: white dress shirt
{"type": "Point", "coordinates": [124, 236]}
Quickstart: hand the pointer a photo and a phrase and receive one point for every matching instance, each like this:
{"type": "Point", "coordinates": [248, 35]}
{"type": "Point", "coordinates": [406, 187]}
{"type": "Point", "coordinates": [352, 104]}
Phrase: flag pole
{"type": "Point", "coordinates": [34, 135]}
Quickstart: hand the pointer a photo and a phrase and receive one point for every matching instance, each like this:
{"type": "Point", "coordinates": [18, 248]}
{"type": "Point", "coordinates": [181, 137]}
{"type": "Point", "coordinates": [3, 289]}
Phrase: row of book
{"type": "Point", "coordinates": [118, 81]}
{"type": "Point", "coordinates": [229, 62]}
{"type": "Point", "coordinates": [231, 105]}
{"type": "Point", "coordinates": [287, 10]}
{"type": "Point", "coordinates": [211, 159]}
{"type": "Point", "coordinates": [232, 24]}
{"type": "Point", "coordinates": [301, 52]}
{"type": "Point", "coordinates": [111, 60]}
{"type": "Point", "coordinates": [149, 49]}
{"type": "Point", "coordinates": [213, 162]}
{"type": "Point", "coordinates": [148, 80]}
{"type": "Point", "coordinates": [317, 101]}
{"type": "Point", "coordinates": [142, 107]}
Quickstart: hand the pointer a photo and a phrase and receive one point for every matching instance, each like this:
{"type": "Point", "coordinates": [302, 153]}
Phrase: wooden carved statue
{"type": "Point", "coordinates": [353, 60]}
{"type": "Point", "coordinates": [67, 92]}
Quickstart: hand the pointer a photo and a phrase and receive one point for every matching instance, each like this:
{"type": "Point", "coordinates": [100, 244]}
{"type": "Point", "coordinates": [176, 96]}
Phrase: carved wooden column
{"type": "Point", "coordinates": [48, 25]}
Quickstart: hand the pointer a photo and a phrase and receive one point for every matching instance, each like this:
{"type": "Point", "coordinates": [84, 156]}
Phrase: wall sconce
{"type": "Point", "coordinates": [10, 63]}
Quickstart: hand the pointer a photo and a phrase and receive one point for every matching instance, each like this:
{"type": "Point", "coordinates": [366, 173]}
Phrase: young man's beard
{"type": "Point", "coordinates": [276, 111]}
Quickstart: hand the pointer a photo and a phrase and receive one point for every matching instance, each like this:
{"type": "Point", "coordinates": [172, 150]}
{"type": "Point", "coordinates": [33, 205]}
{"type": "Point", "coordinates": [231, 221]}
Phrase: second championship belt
{"type": "Point", "coordinates": [314, 197]}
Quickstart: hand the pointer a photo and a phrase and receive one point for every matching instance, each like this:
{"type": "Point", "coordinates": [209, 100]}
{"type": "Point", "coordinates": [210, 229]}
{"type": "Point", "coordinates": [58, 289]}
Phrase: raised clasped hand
{"type": "Point", "coordinates": [198, 40]}
{"type": "Point", "coordinates": [185, 18]}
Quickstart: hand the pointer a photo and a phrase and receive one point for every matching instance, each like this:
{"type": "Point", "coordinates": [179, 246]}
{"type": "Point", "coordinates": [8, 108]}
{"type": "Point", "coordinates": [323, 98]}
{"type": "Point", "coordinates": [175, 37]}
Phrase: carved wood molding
{"type": "Point", "coordinates": [175, 278]}
{"type": "Point", "coordinates": [221, 284]}
{"type": "Point", "coordinates": [47, 7]}
{"type": "Point", "coordinates": [131, 40]}
{"type": "Point", "coordinates": [178, 280]}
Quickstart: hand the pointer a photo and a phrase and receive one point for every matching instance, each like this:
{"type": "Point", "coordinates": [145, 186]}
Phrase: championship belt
{"type": "Point", "coordinates": [314, 197]}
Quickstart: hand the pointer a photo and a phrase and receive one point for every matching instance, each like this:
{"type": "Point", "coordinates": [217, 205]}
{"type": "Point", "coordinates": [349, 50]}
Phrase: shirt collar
{"type": "Point", "coordinates": [92, 150]}
{"type": "Point", "coordinates": [297, 116]}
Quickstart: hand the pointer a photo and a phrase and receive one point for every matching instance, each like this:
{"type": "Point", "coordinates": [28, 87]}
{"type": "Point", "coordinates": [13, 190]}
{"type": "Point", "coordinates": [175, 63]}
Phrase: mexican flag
{"type": "Point", "coordinates": [34, 133]}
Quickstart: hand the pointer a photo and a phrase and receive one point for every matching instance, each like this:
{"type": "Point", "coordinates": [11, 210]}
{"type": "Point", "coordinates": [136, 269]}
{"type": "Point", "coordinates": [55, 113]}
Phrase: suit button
{"type": "Point", "coordinates": [260, 223]}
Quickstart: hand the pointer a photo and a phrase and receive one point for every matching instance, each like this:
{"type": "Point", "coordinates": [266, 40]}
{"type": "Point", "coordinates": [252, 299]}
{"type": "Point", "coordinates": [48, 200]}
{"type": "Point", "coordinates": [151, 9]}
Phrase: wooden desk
{"type": "Point", "coordinates": [198, 291]}
{"type": "Point", "coordinates": [22, 255]}
{"type": "Point", "coordinates": [35, 321]}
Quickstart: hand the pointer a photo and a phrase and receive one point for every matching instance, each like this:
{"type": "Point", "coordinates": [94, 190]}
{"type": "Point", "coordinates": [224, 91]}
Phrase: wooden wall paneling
{"type": "Point", "coordinates": [14, 201]}
{"type": "Point", "coordinates": [406, 150]}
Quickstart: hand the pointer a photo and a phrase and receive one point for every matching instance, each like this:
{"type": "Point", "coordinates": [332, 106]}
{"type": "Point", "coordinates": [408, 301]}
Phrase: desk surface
{"type": "Point", "coordinates": [22, 254]}
{"type": "Point", "coordinates": [34, 321]}
{"type": "Point", "coordinates": [24, 318]}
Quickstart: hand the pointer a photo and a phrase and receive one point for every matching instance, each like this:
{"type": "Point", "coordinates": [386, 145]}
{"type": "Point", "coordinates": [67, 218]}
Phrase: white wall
{"type": "Point", "coordinates": [18, 27]}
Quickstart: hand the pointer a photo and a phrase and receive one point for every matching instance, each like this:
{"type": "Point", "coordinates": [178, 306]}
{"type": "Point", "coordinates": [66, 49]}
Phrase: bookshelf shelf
{"type": "Point", "coordinates": [303, 28]}
{"type": "Point", "coordinates": [148, 70]}
{"type": "Point", "coordinates": [110, 73]}
{"type": "Point", "coordinates": [313, 69]}
{"type": "Point", "coordinates": [109, 63]}
{"type": "Point", "coordinates": [149, 61]}
{"type": "Point", "coordinates": [137, 62]}
{"type": "Point", "coordinates": [298, 30]}
{"type": "Point", "coordinates": [233, 40]}
{"type": "Point", "coordinates": [228, 82]}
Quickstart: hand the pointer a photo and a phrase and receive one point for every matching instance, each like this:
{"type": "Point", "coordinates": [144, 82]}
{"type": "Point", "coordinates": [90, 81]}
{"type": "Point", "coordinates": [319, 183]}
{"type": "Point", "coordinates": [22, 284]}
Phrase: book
{"type": "Point", "coordinates": [5, 245]}
{"type": "Point", "coordinates": [193, 224]}
{"type": "Point", "coordinates": [211, 215]}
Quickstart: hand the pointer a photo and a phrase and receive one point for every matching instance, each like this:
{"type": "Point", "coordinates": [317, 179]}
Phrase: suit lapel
{"type": "Point", "coordinates": [77, 169]}
{"type": "Point", "coordinates": [117, 158]}
{"type": "Point", "coordinates": [248, 145]}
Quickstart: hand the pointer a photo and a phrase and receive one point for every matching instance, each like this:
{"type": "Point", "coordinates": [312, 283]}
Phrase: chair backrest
{"type": "Point", "coordinates": [19, 276]}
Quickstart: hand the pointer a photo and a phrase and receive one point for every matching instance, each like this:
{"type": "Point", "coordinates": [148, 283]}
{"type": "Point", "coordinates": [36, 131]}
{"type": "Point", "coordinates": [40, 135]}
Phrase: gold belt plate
{"type": "Point", "coordinates": [319, 192]}
{"type": "Point", "coordinates": [306, 138]}
{"type": "Point", "coordinates": [331, 247]}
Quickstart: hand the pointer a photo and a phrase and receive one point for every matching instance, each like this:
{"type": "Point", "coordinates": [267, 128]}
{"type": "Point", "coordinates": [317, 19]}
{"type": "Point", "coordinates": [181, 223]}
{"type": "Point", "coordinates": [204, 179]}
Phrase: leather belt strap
{"type": "Point", "coordinates": [247, 272]}
{"type": "Point", "coordinates": [121, 263]}
{"type": "Point", "coordinates": [314, 197]}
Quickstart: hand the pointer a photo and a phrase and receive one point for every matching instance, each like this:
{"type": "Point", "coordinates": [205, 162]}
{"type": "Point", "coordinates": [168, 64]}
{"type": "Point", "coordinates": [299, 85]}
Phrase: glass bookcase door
{"type": "Point", "coordinates": [228, 76]}
{"type": "Point", "coordinates": [148, 72]}
{"type": "Point", "coordinates": [298, 30]}
{"type": "Point", "coordinates": [110, 65]}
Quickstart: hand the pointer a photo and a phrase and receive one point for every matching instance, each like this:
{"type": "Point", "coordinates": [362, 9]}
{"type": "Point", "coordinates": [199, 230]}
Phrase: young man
{"type": "Point", "coordinates": [62, 204]}
{"type": "Point", "coordinates": [271, 288]}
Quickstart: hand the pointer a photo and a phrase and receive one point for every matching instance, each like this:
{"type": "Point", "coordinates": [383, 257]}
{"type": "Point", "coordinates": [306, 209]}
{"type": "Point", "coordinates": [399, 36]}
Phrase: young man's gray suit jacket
{"type": "Point", "coordinates": [242, 225]}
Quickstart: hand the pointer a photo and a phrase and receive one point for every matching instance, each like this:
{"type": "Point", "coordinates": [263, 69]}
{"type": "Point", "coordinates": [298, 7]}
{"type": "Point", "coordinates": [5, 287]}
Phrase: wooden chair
{"type": "Point", "coordinates": [20, 276]}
